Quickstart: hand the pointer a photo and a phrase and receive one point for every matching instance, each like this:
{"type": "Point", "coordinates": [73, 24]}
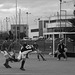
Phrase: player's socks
{"type": "Point", "coordinates": [22, 65]}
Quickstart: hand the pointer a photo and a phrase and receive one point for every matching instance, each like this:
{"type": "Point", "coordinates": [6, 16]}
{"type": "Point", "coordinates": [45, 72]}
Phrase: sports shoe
{"type": "Point", "coordinates": [22, 69]}
{"type": "Point", "coordinates": [44, 60]}
{"type": "Point", "coordinates": [39, 59]}
{"type": "Point", "coordinates": [65, 59]}
{"type": "Point", "coordinates": [7, 66]}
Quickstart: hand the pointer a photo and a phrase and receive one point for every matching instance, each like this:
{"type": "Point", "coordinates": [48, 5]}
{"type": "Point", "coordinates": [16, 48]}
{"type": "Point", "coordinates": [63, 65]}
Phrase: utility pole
{"type": "Point", "coordinates": [7, 24]}
{"type": "Point", "coordinates": [19, 16]}
{"type": "Point", "coordinates": [1, 28]}
{"type": "Point", "coordinates": [16, 19]}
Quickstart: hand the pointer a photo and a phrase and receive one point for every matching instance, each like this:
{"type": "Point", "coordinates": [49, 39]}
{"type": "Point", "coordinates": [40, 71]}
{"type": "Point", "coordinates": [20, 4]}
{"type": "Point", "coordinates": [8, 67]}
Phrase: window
{"type": "Point", "coordinates": [25, 32]}
{"type": "Point", "coordinates": [44, 25]}
{"type": "Point", "coordinates": [14, 27]}
{"type": "Point", "coordinates": [14, 32]}
{"type": "Point", "coordinates": [24, 27]}
{"type": "Point", "coordinates": [18, 28]}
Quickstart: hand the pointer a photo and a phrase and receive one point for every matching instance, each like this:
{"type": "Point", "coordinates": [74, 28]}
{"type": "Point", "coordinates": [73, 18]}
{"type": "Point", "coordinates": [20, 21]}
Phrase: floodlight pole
{"type": "Point", "coordinates": [27, 22]}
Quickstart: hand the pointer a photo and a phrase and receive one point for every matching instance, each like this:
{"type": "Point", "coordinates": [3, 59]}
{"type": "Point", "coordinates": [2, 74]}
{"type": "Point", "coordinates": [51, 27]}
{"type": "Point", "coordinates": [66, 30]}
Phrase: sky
{"type": "Point", "coordinates": [37, 8]}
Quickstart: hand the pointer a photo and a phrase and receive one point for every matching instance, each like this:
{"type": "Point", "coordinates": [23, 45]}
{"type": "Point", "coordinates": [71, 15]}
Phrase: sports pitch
{"type": "Point", "coordinates": [35, 67]}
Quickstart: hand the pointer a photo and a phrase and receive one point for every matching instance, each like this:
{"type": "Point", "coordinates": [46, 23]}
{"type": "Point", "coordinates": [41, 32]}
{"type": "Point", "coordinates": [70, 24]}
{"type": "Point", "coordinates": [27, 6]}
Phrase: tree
{"type": "Point", "coordinates": [22, 35]}
{"type": "Point", "coordinates": [10, 35]}
{"type": "Point", "coordinates": [74, 12]}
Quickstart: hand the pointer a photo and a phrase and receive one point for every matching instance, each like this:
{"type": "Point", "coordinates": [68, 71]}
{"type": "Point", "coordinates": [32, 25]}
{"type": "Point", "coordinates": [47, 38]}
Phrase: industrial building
{"type": "Point", "coordinates": [47, 27]}
{"type": "Point", "coordinates": [23, 28]}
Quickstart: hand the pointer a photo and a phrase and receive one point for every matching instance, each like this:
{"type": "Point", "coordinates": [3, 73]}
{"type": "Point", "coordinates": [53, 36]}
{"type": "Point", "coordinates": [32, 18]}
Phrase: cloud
{"type": "Point", "coordinates": [45, 7]}
{"type": "Point", "coordinates": [1, 5]}
{"type": "Point", "coordinates": [8, 10]}
{"type": "Point", "coordinates": [11, 10]}
{"type": "Point", "coordinates": [7, 5]}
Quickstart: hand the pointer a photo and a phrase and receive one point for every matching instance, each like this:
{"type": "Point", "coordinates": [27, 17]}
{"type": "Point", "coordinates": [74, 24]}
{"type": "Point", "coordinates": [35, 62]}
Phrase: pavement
{"type": "Point", "coordinates": [35, 67]}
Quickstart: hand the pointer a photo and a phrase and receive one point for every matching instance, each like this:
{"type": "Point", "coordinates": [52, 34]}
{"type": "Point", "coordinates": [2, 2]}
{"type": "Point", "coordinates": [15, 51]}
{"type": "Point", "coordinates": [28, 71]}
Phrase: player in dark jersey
{"type": "Point", "coordinates": [25, 49]}
{"type": "Point", "coordinates": [35, 45]}
{"type": "Point", "coordinates": [61, 51]}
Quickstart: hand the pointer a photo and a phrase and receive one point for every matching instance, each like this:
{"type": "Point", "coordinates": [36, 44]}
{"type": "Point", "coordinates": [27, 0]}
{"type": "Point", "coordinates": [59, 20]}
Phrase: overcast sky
{"type": "Point", "coordinates": [37, 8]}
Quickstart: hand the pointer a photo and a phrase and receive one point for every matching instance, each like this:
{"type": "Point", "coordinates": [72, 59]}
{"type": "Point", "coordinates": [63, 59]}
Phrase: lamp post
{"type": "Point", "coordinates": [65, 25]}
{"type": "Point", "coordinates": [27, 13]}
{"type": "Point", "coordinates": [19, 21]}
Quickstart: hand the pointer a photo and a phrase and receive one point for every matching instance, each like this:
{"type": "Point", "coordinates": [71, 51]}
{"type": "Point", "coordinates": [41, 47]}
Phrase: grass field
{"type": "Point", "coordinates": [35, 67]}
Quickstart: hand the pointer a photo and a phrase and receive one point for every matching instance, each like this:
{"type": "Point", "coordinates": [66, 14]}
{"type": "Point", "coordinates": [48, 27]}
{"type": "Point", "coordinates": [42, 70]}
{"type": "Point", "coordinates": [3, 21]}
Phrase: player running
{"type": "Point", "coordinates": [6, 53]}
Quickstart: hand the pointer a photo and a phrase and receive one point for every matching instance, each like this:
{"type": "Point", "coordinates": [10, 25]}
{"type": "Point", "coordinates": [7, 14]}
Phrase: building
{"type": "Point", "coordinates": [47, 27]}
{"type": "Point", "coordinates": [23, 28]}
{"type": "Point", "coordinates": [52, 30]}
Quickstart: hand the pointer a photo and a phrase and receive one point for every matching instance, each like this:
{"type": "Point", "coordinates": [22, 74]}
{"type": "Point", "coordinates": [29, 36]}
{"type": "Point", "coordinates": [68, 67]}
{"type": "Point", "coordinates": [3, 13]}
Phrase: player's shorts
{"type": "Point", "coordinates": [6, 54]}
{"type": "Point", "coordinates": [65, 49]}
{"type": "Point", "coordinates": [38, 51]}
{"type": "Point", "coordinates": [23, 54]}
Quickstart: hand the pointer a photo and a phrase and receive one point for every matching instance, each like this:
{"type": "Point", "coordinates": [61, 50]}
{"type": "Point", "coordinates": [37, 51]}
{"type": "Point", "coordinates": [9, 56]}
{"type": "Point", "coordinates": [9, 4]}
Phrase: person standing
{"type": "Point", "coordinates": [61, 51]}
{"type": "Point", "coordinates": [35, 45]}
